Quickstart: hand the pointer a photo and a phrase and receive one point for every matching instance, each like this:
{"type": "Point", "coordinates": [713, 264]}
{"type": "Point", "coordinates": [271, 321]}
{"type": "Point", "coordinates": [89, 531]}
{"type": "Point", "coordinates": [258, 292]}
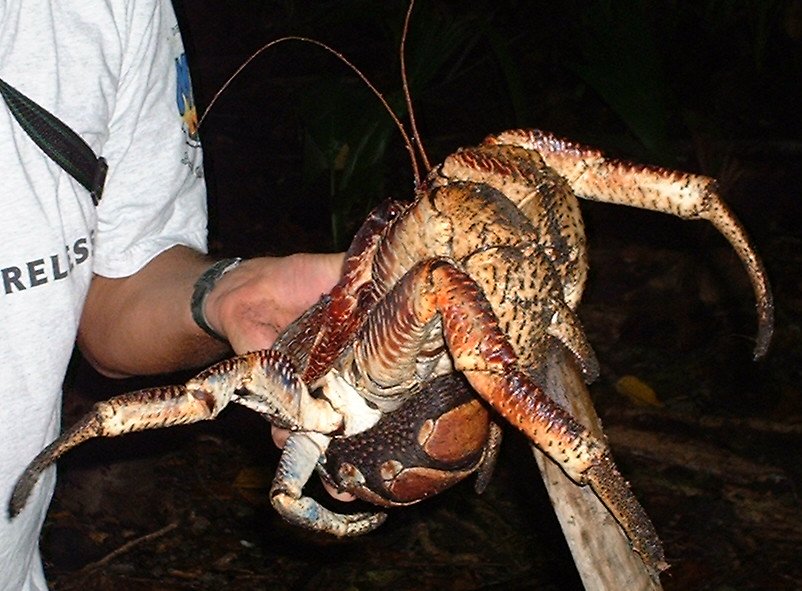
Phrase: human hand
{"type": "Point", "coordinates": [253, 303]}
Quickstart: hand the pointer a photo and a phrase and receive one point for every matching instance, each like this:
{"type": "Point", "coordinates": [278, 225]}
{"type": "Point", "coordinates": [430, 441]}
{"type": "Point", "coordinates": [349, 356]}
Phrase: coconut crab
{"type": "Point", "coordinates": [454, 295]}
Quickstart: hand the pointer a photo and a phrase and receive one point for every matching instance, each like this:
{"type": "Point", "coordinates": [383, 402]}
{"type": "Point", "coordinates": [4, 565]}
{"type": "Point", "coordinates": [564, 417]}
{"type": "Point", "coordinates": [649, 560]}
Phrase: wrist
{"type": "Point", "coordinates": [200, 294]}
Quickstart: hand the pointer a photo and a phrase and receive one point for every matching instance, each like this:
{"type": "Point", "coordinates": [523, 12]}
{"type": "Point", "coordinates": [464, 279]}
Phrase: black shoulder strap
{"type": "Point", "coordinates": [58, 141]}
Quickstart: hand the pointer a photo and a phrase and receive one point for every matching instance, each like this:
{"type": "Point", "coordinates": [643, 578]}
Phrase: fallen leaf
{"type": "Point", "coordinates": [638, 391]}
{"type": "Point", "coordinates": [252, 478]}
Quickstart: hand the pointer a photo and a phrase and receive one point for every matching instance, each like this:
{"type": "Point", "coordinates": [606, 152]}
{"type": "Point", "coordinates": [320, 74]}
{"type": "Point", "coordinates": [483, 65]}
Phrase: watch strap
{"type": "Point", "coordinates": [204, 286]}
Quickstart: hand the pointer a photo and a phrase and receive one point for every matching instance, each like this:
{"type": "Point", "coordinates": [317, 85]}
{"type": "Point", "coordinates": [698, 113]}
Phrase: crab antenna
{"type": "Point", "coordinates": [407, 98]}
{"type": "Point", "coordinates": [407, 141]}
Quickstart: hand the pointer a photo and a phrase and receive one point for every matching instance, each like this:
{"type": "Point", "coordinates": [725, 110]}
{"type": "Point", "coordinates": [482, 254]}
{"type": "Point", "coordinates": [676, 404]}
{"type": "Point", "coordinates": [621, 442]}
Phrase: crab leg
{"type": "Point", "coordinates": [594, 176]}
{"type": "Point", "coordinates": [266, 382]}
{"type": "Point", "coordinates": [144, 409]}
{"type": "Point", "coordinates": [482, 352]}
{"type": "Point", "coordinates": [540, 193]}
{"type": "Point", "coordinates": [488, 465]}
{"type": "Point", "coordinates": [263, 381]}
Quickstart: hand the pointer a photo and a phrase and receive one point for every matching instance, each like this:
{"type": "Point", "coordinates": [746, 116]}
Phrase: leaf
{"type": "Point", "coordinates": [252, 478]}
{"type": "Point", "coordinates": [637, 391]}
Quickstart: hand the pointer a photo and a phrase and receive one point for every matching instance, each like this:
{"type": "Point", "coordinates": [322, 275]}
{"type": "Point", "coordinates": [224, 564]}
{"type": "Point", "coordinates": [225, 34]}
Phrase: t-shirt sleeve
{"type": "Point", "coordinates": [155, 196]}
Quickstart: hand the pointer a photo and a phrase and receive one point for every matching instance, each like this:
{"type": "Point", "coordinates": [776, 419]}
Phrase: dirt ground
{"type": "Point", "coordinates": [709, 439]}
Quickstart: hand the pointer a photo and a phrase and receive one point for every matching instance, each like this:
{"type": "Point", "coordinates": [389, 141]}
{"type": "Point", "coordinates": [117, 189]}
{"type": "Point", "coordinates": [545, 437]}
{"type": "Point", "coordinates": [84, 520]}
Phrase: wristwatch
{"type": "Point", "coordinates": [204, 286]}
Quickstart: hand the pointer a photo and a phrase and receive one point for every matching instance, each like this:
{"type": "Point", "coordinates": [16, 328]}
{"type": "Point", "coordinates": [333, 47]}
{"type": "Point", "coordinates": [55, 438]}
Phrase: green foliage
{"type": "Point", "coordinates": [620, 60]}
{"type": "Point", "coordinates": [347, 133]}
{"type": "Point", "coordinates": [647, 74]}
{"type": "Point", "coordinates": [657, 64]}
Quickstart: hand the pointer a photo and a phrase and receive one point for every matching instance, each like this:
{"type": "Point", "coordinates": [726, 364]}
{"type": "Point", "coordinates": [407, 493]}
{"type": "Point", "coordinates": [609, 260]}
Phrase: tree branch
{"type": "Point", "coordinates": [601, 551]}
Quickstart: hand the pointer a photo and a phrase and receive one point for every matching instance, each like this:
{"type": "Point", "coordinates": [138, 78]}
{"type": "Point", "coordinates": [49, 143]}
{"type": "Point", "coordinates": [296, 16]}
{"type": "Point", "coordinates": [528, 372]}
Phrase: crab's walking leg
{"type": "Point", "coordinates": [262, 380]}
{"type": "Point", "coordinates": [593, 176]}
{"type": "Point", "coordinates": [266, 381]}
{"type": "Point", "coordinates": [136, 411]}
{"type": "Point", "coordinates": [482, 352]}
{"type": "Point", "coordinates": [488, 465]}
{"type": "Point", "coordinates": [298, 460]}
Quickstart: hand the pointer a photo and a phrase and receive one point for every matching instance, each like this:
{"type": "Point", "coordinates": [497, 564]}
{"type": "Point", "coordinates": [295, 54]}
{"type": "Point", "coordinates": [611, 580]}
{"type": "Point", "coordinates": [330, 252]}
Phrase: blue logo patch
{"type": "Point", "coordinates": [184, 98]}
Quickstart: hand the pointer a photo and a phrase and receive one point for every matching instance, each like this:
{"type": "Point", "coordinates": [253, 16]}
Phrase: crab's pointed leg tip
{"type": "Point", "coordinates": [18, 499]}
{"type": "Point", "coordinates": [765, 331]}
{"type": "Point", "coordinates": [759, 352]}
{"type": "Point", "coordinates": [591, 372]}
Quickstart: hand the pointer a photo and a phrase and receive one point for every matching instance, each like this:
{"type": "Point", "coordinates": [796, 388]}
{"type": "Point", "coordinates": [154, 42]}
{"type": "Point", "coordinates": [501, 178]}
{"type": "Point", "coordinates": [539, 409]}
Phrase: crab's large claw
{"type": "Point", "coordinates": [263, 380]}
{"type": "Point", "coordinates": [299, 459]}
{"type": "Point", "coordinates": [435, 439]}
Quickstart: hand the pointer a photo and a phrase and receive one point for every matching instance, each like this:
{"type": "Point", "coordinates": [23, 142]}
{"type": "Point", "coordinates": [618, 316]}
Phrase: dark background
{"type": "Point", "coordinates": [297, 151]}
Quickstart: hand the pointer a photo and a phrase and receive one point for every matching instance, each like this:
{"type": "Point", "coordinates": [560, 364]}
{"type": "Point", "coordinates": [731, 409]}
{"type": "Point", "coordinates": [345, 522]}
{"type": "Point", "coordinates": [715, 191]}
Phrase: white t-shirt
{"type": "Point", "coordinates": [115, 72]}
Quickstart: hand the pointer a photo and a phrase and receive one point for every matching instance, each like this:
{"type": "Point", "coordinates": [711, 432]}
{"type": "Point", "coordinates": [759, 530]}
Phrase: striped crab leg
{"type": "Point", "coordinates": [483, 353]}
{"type": "Point", "coordinates": [596, 177]}
{"type": "Point", "coordinates": [264, 381]}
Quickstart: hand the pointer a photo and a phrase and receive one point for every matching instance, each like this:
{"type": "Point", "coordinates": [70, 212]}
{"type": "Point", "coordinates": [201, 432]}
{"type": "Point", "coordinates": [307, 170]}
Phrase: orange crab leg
{"type": "Point", "coordinates": [594, 176]}
{"type": "Point", "coordinates": [390, 342]}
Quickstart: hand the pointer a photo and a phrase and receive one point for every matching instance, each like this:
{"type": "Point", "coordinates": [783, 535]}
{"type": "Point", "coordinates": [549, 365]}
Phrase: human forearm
{"type": "Point", "coordinates": [142, 324]}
